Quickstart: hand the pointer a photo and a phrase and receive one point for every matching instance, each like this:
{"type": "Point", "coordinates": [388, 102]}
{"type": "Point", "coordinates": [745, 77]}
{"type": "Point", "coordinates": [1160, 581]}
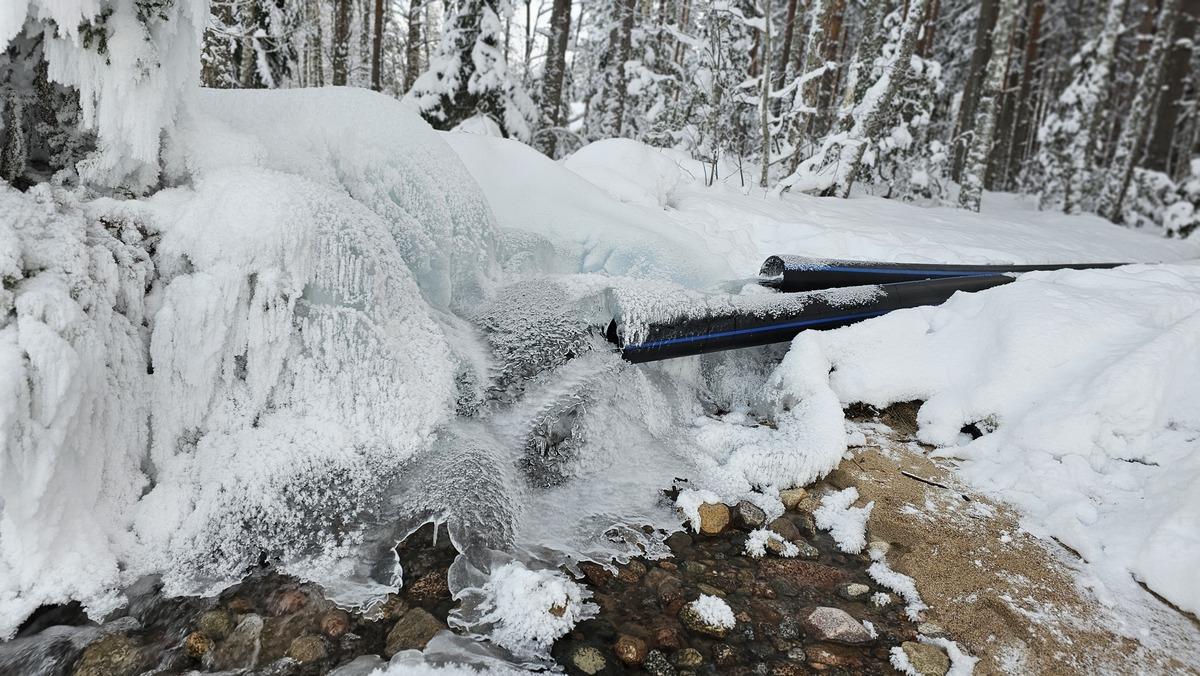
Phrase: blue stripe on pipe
{"type": "Point", "coordinates": [900, 271]}
{"type": "Point", "coordinates": [758, 329]}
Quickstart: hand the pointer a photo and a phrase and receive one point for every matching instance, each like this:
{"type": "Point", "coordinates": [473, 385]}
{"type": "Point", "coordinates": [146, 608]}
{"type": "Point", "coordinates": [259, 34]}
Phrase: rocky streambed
{"type": "Point", "coordinates": [814, 612]}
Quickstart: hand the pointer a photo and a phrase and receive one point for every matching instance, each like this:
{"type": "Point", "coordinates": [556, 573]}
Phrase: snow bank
{"type": "Point", "coordinates": [1084, 384]}
{"type": "Point", "coordinates": [628, 171]}
{"type": "Point", "coordinates": [215, 373]}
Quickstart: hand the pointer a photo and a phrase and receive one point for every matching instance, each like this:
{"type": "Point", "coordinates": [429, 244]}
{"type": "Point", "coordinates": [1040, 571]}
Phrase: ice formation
{"type": "Point", "coordinates": [530, 609]}
{"type": "Point", "coordinates": [757, 541]}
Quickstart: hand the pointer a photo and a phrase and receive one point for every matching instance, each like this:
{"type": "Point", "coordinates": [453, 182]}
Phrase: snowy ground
{"type": "Point", "coordinates": [228, 356]}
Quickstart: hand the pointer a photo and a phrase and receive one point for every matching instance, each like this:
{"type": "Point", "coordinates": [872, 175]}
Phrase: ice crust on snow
{"type": "Point", "coordinates": [713, 610]}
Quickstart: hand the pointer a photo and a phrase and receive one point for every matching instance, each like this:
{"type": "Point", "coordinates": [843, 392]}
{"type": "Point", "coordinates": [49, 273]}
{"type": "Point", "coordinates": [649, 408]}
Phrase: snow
{"type": "Point", "coordinates": [757, 540]}
{"type": "Point", "coordinates": [214, 372]}
{"type": "Point", "coordinates": [847, 525]}
{"type": "Point", "coordinates": [900, 583]}
{"type": "Point", "coordinates": [531, 609]}
{"type": "Point", "coordinates": [1085, 382]}
{"type": "Point", "coordinates": [712, 610]}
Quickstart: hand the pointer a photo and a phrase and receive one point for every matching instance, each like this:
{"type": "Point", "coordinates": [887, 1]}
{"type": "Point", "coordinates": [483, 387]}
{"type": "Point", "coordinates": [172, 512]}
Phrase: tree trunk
{"type": "Point", "coordinates": [807, 93]}
{"type": "Point", "coordinates": [1171, 100]}
{"type": "Point", "coordinates": [552, 80]}
{"type": "Point", "coordinates": [1134, 131]}
{"type": "Point", "coordinates": [973, 81]}
{"type": "Point", "coordinates": [925, 43]}
{"type": "Point", "coordinates": [1026, 109]}
{"type": "Point", "coordinates": [985, 119]}
{"type": "Point", "coordinates": [313, 44]}
{"type": "Point", "coordinates": [377, 49]}
{"type": "Point", "coordinates": [766, 94]}
{"type": "Point", "coordinates": [616, 85]}
{"type": "Point", "coordinates": [785, 51]}
{"type": "Point", "coordinates": [339, 55]}
{"type": "Point", "coordinates": [412, 46]}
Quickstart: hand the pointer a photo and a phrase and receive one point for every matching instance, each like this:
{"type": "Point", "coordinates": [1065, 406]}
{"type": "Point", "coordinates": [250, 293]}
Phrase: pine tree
{"type": "Point", "coordinates": [339, 52]}
{"type": "Point", "coordinates": [15, 152]}
{"type": "Point", "coordinates": [412, 45]}
{"type": "Point", "coordinates": [1068, 136]}
{"type": "Point", "coordinates": [985, 117]}
{"type": "Point", "coordinates": [468, 76]}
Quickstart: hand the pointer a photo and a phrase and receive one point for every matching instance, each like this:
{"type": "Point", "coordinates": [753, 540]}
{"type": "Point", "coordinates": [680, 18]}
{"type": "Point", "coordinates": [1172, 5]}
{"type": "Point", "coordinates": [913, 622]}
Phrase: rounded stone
{"type": "Point", "coordinates": [785, 529]}
{"type": "Point", "coordinates": [112, 655]}
{"type": "Point", "coordinates": [854, 591]}
{"type": "Point", "coordinates": [714, 516]}
{"type": "Point", "coordinates": [688, 658]}
{"type": "Point", "coordinates": [306, 649]}
{"type": "Point", "coordinates": [588, 660]}
{"type": "Point", "coordinates": [748, 515]}
{"type": "Point", "coordinates": [792, 497]}
{"type": "Point", "coordinates": [287, 601]}
{"type": "Point", "coordinates": [657, 664]}
{"type": "Point", "coordinates": [926, 659]}
{"type": "Point", "coordinates": [837, 626]}
{"type": "Point", "coordinates": [335, 623]}
{"type": "Point", "coordinates": [216, 624]}
{"type": "Point", "coordinates": [197, 644]}
{"type": "Point", "coordinates": [630, 649]}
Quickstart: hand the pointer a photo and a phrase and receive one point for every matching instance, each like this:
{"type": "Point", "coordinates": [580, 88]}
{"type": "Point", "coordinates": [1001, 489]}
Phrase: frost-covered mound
{"type": "Point", "coordinates": [1084, 385]}
{"type": "Point", "coordinates": [238, 365]}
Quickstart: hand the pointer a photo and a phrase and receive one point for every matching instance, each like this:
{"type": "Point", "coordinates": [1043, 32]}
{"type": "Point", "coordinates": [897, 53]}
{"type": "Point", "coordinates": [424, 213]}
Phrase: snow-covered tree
{"type": "Point", "coordinates": [1133, 131]}
{"type": "Point", "coordinates": [1069, 135]}
{"type": "Point", "coordinates": [985, 116]}
{"type": "Point", "coordinates": [469, 76]}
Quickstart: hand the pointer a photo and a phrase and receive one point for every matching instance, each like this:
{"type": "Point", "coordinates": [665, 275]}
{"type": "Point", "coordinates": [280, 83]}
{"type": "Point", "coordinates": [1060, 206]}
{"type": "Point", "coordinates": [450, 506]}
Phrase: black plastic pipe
{"type": "Point", "coordinates": [740, 321]}
{"type": "Point", "coordinates": [797, 273]}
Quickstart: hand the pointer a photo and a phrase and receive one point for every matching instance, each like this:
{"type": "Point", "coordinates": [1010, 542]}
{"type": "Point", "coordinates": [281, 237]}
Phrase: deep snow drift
{"type": "Point", "coordinates": [324, 333]}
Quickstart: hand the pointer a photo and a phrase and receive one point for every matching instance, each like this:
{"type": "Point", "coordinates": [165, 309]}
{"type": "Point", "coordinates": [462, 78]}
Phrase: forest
{"type": "Point", "coordinates": [1091, 105]}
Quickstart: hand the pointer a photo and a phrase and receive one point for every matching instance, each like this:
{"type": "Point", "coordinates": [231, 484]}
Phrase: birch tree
{"type": "Point", "coordinates": [985, 116]}
{"type": "Point", "coordinates": [1134, 132]}
{"type": "Point", "coordinates": [1068, 135]}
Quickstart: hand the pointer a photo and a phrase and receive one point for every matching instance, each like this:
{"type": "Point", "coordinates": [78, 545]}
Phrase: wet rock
{"type": "Point", "coordinates": [596, 574]}
{"type": "Point", "coordinates": [335, 623]}
{"type": "Point", "coordinates": [279, 632]}
{"type": "Point", "coordinates": [679, 543]}
{"type": "Point", "coordinates": [927, 660]}
{"type": "Point", "coordinates": [630, 649]}
{"type": "Point", "coordinates": [390, 609]}
{"type": "Point", "coordinates": [805, 574]}
{"type": "Point", "coordinates": [240, 650]}
{"type": "Point", "coordinates": [804, 521]}
{"type": "Point", "coordinates": [588, 660]}
{"type": "Point", "coordinates": [307, 649]}
{"type": "Point", "coordinates": [631, 572]}
{"type": "Point", "coordinates": [668, 637]}
{"type": "Point", "coordinates": [413, 631]}
{"type": "Point", "coordinates": [787, 669]}
{"type": "Point", "coordinates": [365, 664]}
{"type": "Point", "coordinates": [837, 626]}
{"type": "Point", "coordinates": [112, 655]}
{"type": "Point", "coordinates": [714, 516]}
{"type": "Point", "coordinates": [724, 655]}
{"type": "Point", "coordinates": [239, 605]}
{"type": "Point", "coordinates": [286, 601]}
{"type": "Point", "coordinates": [789, 629]}
{"type": "Point", "coordinates": [667, 565]}
{"type": "Point", "coordinates": [216, 624]}
{"type": "Point", "coordinates": [797, 654]}
{"type": "Point", "coordinates": [854, 591]}
{"type": "Point", "coordinates": [429, 589]}
{"type": "Point", "coordinates": [785, 528]}
{"type": "Point", "coordinates": [694, 568]}
{"type": "Point", "coordinates": [197, 645]}
{"type": "Point", "coordinates": [748, 515]}
{"type": "Point", "coordinates": [711, 590]}
{"type": "Point", "coordinates": [657, 664]}
{"type": "Point", "coordinates": [688, 658]}
{"type": "Point", "coordinates": [805, 551]}
{"type": "Point", "coordinates": [792, 497]}
{"type": "Point", "coordinates": [691, 619]}
{"type": "Point", "coordinates": [822, 658]}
